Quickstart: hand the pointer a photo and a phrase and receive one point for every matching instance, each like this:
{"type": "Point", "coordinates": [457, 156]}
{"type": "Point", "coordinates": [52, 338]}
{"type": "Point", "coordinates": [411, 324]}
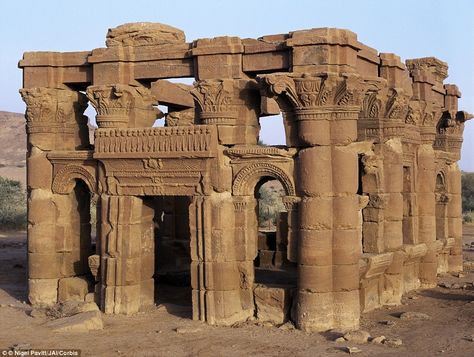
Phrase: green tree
{"type": "Point", "coordinates": [12, 205]}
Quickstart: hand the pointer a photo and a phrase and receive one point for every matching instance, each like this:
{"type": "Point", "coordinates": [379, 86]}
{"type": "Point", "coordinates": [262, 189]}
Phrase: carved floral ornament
{"type": "Point", "coordinates": [312, 91]}
{"type": "Point", "coordinates": [381, 102]}
{"type": "Point", "coordinates": [116, 101]}
{"type": "Point", "coordinates": [453, 123]}
{"type": "Point", "coordinates": [51, 107]}
{"type": "Point", "coordinates": [430, 65]}
{"type": "Point", "coordinates": [213, 95]}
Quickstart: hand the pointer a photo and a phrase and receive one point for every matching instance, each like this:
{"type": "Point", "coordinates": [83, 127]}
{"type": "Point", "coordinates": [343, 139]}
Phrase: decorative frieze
{"type": "Point", "coordinates": [199, 139]}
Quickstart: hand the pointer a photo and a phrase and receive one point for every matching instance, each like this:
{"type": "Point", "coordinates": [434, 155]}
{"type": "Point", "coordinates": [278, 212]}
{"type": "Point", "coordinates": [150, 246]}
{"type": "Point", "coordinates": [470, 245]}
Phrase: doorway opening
{"type": "Point", "coordinates": [271, 263]}
{"type": "Point", "coordinates": [441, 207]}
{"type": "Point", "coordinates": [172, 275]}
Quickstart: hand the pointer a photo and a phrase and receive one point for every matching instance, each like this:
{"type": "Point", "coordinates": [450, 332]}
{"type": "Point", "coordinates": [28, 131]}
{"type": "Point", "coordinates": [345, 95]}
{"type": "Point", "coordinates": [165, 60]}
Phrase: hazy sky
{"type": "Point", "coordinates": [409, 28]}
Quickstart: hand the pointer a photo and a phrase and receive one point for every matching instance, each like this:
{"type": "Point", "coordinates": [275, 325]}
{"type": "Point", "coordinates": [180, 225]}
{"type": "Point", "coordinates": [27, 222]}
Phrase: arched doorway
{"type": "Point", "coordinates": [441, 207]}
{"type": "Point", "coordinates": [271, 263]}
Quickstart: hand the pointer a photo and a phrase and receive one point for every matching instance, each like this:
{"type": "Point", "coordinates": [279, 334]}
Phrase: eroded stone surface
{"type": "Point", "coordinates": [368, 205]}
{"type": "Point", "coordinates": [144, 34]}
{"type": "Point", "coordinates": [82, 322]}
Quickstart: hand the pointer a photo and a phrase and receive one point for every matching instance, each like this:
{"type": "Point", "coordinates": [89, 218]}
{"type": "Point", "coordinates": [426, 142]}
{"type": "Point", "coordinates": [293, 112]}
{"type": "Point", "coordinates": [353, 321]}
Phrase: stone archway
{"type": "Point", "coordinates": [248, 177]}
{"type": "Point", "coordinates": [65, 179]}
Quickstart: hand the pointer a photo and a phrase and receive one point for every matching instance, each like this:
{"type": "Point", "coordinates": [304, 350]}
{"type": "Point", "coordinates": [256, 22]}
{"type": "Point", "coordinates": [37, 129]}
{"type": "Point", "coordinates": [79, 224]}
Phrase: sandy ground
{"type": "Point", "coordinates": [153, 333]}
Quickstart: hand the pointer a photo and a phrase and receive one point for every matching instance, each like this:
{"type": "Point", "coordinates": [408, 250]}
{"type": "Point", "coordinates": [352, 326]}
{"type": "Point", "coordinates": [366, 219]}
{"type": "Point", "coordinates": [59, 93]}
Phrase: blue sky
{"type": "Point", "coordinates": [409, 28]}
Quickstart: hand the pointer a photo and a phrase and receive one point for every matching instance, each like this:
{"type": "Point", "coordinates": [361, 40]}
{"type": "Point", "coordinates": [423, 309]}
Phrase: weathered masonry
{"type": "Point", "coordinates": [372, 188]}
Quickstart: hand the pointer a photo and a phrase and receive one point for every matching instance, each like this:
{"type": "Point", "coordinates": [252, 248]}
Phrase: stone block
{"type": "Point", "coordinates": [392, 289]}
{"type": "Point", "coordinates": [426, 203]}
{"type": "Point", "coordinates": [370, 294]}
{"type": "Point", "coordinates": [314, 170]}
{"type": "Point", "coordinates": [372, 237]}
{"type": "Point", "coordinates": [269, 106]}
{"type": "Point", "coordinates": [273, 303]}
{"type": "Point", "coordinates": [316, 213]}
{"type": "Point", "coordinates": [345, 212]}
{"type": "Point", "coordinates": [393, 209]}
{"type": "Point", "coordinates": [314, 133]}
{"type": "Point", "coordinates": [247, 274]}
{"type": "Point", "coordinates": [44, 266]}
{"type": "Point", "coordinates": [127, 299]}
{"type": "Point", "coordinates": [454, 227]}
{"type": "Point", "coordinates": [454, 206]}
{"type": "Point", "coordinates": [346, 309]}
{"type": "Point", "coordinates": [346, 246]}
{"type": "Point", "coordinates": [344, 132]}
{"type": "Point", "coordinates": [41, 211]}
{"type": "Point", "coordinates": [313, 311]}
{"type": "Point", "coordinates": [219, 66]}
{"type": "Point", "coordinates": [315, 278]}
{"type": "Point", "coordinates": [74, 262]}
{"type": "Point", "coordinates": [411, 280]}
{"type": "Point", "coordinates": [83, 322]}
{"type": "Point", "coordinates": [345, 169]}
{"type": "Point", "coordinates": [147, 292]}
{"type": "Point", "coordinates": [455, 263]}
{"type": "Point", "coordinates": [346, 277]}
{"type": "Point", "coordinates": [132, 271]}
{"type": "Point", "coordinates": [393, 235]}
{"type": "Point", "coordinates": [43, 292]}
{"type": "Point", "coordinates": [247, 300]}
{"type": "Point", "coordinates": [147, 265]}
{"type": "Point", "coordinates": [393, 175]}
{"type": "Point", "coordinates": [396, 267]}
{"type": "Point", "coordinates": [73, 289]}
{"type": "Point", "coordinates": [427, 228]}
{"type": "Point", "coordinates": [40, 170]}
{"type": "Point", "coordinates": [41, 238]}
{"type": "Point", "coordinates": [315, 247]}
{"type": "Point", "coordinates": [225, 307]}
{"type": "Point", "coordinates": [221, 276]}
{"type": "Point", "coordinates": [131, 237]}
{"type": "Point", "coordinates": [427, 274]}
{"type": "Point", "coordinates": [443, 263]}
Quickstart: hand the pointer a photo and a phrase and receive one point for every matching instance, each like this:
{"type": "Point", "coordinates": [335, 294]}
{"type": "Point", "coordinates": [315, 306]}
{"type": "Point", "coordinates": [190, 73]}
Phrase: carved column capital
{"type": "Point", "coordinates": [215, 100]}
{"type": "Point", "coordinates": [324, 107]}
{"type": "Point", "coordinates": [114, 103]}
{"type": "Point", "coordinates": [313, 91]}
{"type": "Point", "coordinates": [51, 110]}
{"type": "Point", "coordinates": [241, 203]}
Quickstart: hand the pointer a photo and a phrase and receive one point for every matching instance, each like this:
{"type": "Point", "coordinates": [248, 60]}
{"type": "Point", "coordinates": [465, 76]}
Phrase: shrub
{"type": "Point", "coordinates": [468, 217]}
{"type": "Point", "coordinates": [12, 205]}
{"type": "Point", "coordinates": [467, 186]}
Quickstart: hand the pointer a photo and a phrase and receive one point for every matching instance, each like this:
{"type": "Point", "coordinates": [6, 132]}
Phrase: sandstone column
{"type": "Point", "coordinates": [221, 270]}
{"type": "Point", "coordinates": [428, 75]}
{"type": "Point", "coordinates": [126, 235]}
{"type": "Point", "coordinates": [223, 249]}
{"type": "Point", "coordinates": [325, 111]}
{"type": "Point", "coordinates": [454, 217]}
{"type": "Point", "coordinates": [55, 121]}
{"type": "Point", "coordinates": [127, 254]}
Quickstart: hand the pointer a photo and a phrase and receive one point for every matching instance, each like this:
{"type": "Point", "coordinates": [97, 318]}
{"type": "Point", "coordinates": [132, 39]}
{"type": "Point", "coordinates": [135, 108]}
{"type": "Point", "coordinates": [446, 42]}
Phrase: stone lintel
{"type": "Point", "coordinates": [323, 36]}
{"type": "Point", "coordinates": [217, 45]}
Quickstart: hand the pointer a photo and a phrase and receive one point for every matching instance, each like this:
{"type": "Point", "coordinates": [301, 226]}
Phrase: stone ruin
{"type": "Point", "coordinates": [371, 183]}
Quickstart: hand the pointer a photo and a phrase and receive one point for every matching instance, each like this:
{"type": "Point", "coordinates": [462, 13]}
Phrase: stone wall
{"type": "Point", "coordinates": [369, 173]}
